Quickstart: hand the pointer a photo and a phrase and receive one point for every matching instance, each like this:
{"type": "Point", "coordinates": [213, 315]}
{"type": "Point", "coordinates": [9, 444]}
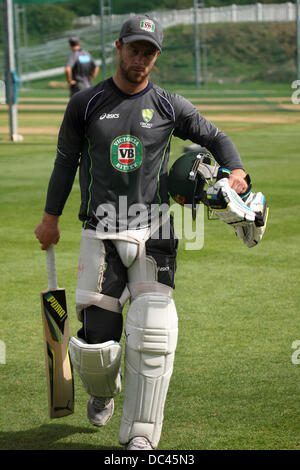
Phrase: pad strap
{"type": "Point", "coordinates": [138, 288]}
{"type": "Point", "coordinates": [86, 298]}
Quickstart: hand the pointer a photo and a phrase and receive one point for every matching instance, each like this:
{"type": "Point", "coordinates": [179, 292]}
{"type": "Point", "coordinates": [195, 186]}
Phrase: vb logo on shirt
{"type": "Point", "coordinates": [126, 153]}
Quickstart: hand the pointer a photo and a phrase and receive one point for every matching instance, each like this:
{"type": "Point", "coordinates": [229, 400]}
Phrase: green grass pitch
{"type": "Point", "coordinates": [234, 384]}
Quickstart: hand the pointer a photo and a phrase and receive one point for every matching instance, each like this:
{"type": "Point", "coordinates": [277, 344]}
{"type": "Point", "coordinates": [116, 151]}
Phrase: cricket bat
{"type": "Point", "coordinates": [59, 370]}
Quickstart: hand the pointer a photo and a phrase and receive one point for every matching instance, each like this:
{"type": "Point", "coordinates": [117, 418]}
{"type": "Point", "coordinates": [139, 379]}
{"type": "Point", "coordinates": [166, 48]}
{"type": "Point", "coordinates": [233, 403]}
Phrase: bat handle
{"type": "Point", "coordinates": [52, 280]}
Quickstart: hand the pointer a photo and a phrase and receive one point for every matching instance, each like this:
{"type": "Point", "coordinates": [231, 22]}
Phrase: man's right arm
{"type": "Point", "coordinates": [69, 69]}
{"type": "Point", "coordinates": [59, 188]}
{"type": "Point", "coordinates": [63, 175]}
{"type": "Point", "coordinates": [69, 76]}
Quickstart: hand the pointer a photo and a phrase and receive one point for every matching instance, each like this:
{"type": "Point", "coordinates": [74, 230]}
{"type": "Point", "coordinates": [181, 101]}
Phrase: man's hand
{"type": "Point", "coordinates": [69, 77]}
{"type": "Point", "coordinates": [237, 181]}
{"type": "Point", "coordinates": [224, 201]}
{"type": "Point", "coordinates": [47, 231]}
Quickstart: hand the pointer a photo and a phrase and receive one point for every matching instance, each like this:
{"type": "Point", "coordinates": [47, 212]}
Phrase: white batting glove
{"type": "Point", "coordinates": [252, 233]}
{"type": "Point", "coordinates": [228, 205]}
{"type": "Point", "coordinates": [248, 218]}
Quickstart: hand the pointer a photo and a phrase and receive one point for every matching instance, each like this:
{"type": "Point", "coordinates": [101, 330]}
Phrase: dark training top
{"type": "Point", "coordinates": [122, 143]}
{"type": "Point", "coordinates": [82, 65]}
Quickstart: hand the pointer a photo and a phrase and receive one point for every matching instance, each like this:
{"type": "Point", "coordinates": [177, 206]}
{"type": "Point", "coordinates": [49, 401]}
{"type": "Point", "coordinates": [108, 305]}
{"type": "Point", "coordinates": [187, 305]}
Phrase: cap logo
{"type": "Point", "coordinates": [147, 25]}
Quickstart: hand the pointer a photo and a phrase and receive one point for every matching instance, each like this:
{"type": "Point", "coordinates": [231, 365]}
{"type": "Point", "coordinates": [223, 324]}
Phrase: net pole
{"type": "Point", "coordinates": [196, 45]}
{"type": "Point", "coordinates": [10, 69]}
{"type": "Point", "coordinates": [103, 52]}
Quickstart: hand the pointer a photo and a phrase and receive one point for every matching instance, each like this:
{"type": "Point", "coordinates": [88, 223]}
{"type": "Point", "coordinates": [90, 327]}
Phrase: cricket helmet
{"type": "Point", "coordinates": [188, 177]}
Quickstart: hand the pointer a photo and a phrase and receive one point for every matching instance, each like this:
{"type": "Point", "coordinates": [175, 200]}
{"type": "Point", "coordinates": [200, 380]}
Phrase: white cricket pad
{"type": "Point", "coordinates": [98, 365]}
{"type": "Point", "coordinates": [151, 338]}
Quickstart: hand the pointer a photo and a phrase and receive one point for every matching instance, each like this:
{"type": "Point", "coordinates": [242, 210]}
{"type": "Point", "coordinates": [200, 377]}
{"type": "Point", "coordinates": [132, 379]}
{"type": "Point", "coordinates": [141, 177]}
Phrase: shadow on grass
{"type": "Point", "coordinates": [46, 437]}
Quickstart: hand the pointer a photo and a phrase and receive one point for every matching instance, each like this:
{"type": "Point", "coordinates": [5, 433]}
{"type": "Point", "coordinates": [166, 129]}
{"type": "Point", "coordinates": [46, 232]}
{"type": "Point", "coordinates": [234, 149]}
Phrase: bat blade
{"type": "Point", "coordinates": [59, 370]}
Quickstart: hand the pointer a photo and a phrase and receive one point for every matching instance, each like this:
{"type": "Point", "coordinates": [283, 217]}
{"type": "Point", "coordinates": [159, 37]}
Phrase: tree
{"type": "Point", "coordinates": [46, 19]}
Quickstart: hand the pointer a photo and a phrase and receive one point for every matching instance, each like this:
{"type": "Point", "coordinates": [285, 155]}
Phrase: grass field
{"type": "Point", "coordinates": [234, 384]}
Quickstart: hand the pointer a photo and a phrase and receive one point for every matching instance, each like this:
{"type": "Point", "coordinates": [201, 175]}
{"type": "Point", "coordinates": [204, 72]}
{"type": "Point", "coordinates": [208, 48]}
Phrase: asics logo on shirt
{"type": "Point", "coordinates": [109, 116]}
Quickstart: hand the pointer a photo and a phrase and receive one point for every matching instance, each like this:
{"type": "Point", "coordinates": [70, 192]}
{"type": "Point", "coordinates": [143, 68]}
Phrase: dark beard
{"type": "Point", "coordinates": [130, 77]}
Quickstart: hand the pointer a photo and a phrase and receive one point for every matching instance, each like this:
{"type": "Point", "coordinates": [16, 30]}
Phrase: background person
{"type": "Point", "coordinates": [81, 69]}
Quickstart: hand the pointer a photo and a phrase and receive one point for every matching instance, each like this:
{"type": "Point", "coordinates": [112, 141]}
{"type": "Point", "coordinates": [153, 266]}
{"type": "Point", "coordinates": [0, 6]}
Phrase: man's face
{"type": "Point", "coordinates": [136, 60]}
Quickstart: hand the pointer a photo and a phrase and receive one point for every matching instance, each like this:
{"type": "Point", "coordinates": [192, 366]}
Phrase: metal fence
{"type": "Point", "coordinates": [48, 59]}
{"type": "Point", "coordinates": [259, 12]}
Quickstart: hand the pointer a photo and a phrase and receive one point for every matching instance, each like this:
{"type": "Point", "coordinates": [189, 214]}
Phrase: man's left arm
{"type": "Point", "coordinates": [190, 124]}
{"type": "Point", "coordinates": [230, 198]}
{"type": "Point", "coordinates": [94, 73]}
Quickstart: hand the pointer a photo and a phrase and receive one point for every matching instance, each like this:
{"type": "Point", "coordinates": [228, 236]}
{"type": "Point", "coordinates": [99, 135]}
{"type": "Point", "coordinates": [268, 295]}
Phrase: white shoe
{"type": "Point", "coordinates": [138, 443]}
{"type": "Point", "coordinates": [100, 410]}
